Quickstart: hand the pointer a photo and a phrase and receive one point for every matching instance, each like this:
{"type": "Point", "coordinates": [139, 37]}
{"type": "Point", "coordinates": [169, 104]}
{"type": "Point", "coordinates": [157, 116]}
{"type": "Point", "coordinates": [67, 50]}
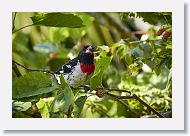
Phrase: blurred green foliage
{"type": "Point", "coordinates": [140, 62]}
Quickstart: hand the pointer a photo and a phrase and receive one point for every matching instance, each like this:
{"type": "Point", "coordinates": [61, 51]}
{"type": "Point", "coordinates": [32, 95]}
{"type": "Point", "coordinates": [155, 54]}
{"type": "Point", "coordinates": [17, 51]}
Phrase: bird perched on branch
{"type": "Point", "coordinates": [77, 71]}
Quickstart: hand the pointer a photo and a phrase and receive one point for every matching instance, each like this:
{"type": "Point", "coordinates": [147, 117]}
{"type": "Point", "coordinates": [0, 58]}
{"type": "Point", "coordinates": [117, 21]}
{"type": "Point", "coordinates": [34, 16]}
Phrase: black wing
{"type": "Point", "coordinates": [66, 68]}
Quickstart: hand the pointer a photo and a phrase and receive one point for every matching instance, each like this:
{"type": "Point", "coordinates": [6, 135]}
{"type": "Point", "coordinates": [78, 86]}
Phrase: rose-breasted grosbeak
{"type": "Point", "coordinates": [77, 71]}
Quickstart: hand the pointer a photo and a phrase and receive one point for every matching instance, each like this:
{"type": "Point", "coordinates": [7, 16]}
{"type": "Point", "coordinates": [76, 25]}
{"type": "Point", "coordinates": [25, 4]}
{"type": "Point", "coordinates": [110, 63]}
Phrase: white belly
{"type": "Point", "coordinates": [75, 79]}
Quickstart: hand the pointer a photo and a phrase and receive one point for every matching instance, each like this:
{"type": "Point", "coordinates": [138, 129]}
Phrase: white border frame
{"type": "Point", "coordinates": [174, 123]}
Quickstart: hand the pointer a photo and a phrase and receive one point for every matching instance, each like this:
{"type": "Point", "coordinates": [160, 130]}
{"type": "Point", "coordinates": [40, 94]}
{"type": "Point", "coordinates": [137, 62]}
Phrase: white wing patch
{"type": "Point", "coordinates": [61, 72]}
{"type": "Point", "coordinates": [69, 66]}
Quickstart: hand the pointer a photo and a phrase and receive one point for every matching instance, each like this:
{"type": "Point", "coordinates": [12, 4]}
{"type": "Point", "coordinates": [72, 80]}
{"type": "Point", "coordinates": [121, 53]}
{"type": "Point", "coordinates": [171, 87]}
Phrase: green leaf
{"type": "Point", "coordinates": [32, 84]}
{"type": "Point", "coordinates": [21, 106]}
{"type": "Point", "coordinates": [64, 83]}
{"type": "Point", "coordinates": [145, 47]}
{"type": "Point", "coordinates": [79, 106]}
{"type": "Point", "coordinates": [136, 52]}
{"type": "Point", "coordinates": [57, 20]}
{"type": "Point", "coordinates": [32, 99]}
{"type": "Point", "coordinates": [101, 65]}
{"type": "Point", "coordinates": [96, 79]}
{"type": "Point", "coordinates": [63, 100]}
{"type": "Point", "coordinates": [43, 108]}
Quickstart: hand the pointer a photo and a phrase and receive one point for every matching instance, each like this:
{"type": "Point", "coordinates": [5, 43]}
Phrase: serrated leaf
{"type": "Point", "coordinates": [79, 106]}
{"type": "Point", "coordinates": [100, 65]}
{"type": "Point", "coordinates": [96, 80]}
{"type": "Point", "coordinates": [63, 100]}
{"type": "Point", "coordinates": [103, 62]}
{"type": "Point", "coordinates": [32, 84]}
{"type": "Point", "coordinates": [57, 20]}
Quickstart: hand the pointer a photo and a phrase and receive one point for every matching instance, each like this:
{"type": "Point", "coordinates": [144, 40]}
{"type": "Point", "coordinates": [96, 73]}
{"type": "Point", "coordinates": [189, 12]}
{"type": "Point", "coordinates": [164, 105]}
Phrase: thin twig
{"type": "Point", "coordinates": [129, 97]}
{"type": "Point", "coordinates": [115, 89]}
{"type": "Point", "coordinates": [17, 72]}
{"type": "Point", "coordinates": [47, 71]}
{"type": "Point", "coordinates": [119, 26]}
{"type": "Point", "coordinates": [13, 23]}
{"type": "Point", "coordinates": [22, 28]}
{"type": "Point", "coordinates": [138, 32]}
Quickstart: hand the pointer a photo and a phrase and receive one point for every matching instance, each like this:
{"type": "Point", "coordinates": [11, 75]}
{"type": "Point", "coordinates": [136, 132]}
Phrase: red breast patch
{"type": "Point", "coordinates": [88, 69]}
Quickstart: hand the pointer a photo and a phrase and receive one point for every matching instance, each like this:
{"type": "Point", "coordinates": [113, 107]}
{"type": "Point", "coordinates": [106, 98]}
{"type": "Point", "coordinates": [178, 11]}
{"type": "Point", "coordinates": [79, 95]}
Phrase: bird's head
{"type": "Point", "coordinates": [86, 55]}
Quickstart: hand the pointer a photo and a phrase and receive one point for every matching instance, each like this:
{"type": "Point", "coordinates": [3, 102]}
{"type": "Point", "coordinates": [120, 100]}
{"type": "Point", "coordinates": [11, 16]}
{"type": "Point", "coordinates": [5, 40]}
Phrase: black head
{"type": "Point", "coordinates": [86, 55]}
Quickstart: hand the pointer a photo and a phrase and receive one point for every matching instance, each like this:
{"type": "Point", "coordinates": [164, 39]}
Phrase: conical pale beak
{"type": "Point", "coordinates": [88, 51]}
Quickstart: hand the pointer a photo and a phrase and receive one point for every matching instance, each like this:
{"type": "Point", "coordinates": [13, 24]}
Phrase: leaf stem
{"type": "Point", "coordinates": [22, 28]}
{"type": "Point", "coordinates": [47, 71]}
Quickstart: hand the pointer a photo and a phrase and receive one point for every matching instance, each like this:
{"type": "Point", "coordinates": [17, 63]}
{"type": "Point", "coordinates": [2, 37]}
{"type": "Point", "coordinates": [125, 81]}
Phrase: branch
{"type": "Point", "coordinates": [47, 71]}
{"type": "Point", "coordinates": [148, 106]}
{"type": "Point", "coordinates": [131, 95]}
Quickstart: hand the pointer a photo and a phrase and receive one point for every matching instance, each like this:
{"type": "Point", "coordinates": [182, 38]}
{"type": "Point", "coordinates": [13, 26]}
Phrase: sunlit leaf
{"type": "Point", "coordinates": [32, 84]}
{"type": "Point", "coordinates": [101, 65]}
{"type": "Point", "coordinates": [63, 100]}
{"type": "Point", "coordinates": [79, 105]}
{"type": "Point", "coordinates": [43, 109]}
{"type": "Point", "coordinates": [21, 106]}
{"type": "Point", "coordinates": [57, 20]}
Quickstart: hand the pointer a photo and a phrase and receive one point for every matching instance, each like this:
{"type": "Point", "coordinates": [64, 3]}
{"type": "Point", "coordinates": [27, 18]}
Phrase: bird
{"type": "Point", "coordinates": [78, 70]}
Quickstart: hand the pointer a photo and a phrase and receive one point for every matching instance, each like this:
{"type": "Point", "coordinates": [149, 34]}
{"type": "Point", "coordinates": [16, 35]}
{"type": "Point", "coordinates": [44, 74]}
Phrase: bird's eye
{"type": "Point", "coordinates": [85, 47]}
